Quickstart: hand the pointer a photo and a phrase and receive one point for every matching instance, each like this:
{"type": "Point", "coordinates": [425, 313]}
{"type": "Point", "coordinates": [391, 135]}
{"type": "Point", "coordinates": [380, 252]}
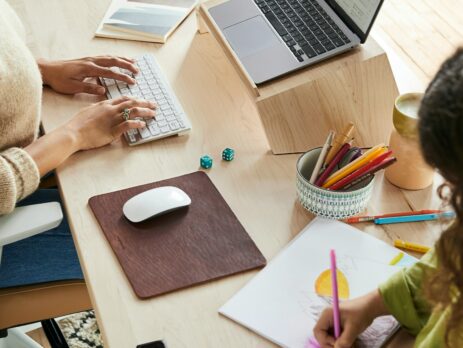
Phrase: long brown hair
{"type": "Point", "coordinates": [441, 136]}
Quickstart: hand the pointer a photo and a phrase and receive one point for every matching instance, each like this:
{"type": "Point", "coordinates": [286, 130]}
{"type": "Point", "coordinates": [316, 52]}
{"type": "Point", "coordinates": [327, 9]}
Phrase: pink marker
{"type": "Point", "coordinates": [312, 343]}
{"type": "Point", "coordinates": [334, 283]}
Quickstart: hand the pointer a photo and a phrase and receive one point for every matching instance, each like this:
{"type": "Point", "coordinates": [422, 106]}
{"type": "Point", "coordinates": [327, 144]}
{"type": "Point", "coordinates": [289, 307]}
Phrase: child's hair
{"type": "Point", "coordinates": [441, 136]}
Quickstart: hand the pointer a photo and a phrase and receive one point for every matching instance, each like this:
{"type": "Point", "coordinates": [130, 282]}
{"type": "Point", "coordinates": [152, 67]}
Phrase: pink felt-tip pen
{"type": "Point", "coordinates": [334, 284]}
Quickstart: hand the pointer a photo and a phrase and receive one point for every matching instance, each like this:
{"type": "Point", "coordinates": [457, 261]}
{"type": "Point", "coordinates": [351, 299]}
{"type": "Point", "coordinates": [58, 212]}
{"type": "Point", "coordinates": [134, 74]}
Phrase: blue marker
{"type": "Point", "coordinates": [414, 218]}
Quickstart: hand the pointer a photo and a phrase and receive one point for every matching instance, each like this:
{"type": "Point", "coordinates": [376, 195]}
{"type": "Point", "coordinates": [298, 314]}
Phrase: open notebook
{"type": "Point", "coordinates": [145, 20]}
{"type": "Point", "coordinates": [283, 302]}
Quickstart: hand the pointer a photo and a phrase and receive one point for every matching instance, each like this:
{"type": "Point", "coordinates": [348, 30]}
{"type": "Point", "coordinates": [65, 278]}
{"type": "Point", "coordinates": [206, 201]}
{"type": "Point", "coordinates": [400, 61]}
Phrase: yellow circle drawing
{"type": "Point", "coordinates": [323, 285]}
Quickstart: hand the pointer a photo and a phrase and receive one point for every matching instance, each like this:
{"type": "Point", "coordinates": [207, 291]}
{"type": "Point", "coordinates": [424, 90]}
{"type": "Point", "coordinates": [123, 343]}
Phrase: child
{"type": "Point", "coordinates": [425, 298]}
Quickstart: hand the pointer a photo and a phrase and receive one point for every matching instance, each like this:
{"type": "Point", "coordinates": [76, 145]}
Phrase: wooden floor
{"type": "Point", "coordinates": [422, 33]}
{"type": "Point", "coordinates": [419, 33]}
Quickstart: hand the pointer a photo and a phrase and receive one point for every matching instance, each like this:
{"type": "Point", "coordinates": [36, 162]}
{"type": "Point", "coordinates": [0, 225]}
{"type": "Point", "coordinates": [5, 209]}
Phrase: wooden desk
{"type": "Point", "coordinates": [259, 187]}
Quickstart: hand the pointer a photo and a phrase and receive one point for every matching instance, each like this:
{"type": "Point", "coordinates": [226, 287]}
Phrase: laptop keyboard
{"type": "Point", "coordinates": [304, 25]}
{"type": "Point", "coordinates": [151, 85]}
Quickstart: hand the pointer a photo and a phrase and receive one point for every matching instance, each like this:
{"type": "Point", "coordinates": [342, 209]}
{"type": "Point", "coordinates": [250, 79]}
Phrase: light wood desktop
{"type": "Point", "coordinates": [259, 187]}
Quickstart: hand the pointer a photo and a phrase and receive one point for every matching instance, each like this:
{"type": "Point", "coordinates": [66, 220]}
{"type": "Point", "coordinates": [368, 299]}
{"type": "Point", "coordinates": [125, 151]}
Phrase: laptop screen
{"type": "Point", "coordinates": [360, 11]}
{"type": "Point", "coordinates": [358, 14]}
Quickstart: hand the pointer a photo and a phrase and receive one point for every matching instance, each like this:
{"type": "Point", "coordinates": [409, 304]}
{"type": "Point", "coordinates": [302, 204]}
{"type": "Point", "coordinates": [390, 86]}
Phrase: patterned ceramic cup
{"type": "Point", "coordinates": [326, 203]}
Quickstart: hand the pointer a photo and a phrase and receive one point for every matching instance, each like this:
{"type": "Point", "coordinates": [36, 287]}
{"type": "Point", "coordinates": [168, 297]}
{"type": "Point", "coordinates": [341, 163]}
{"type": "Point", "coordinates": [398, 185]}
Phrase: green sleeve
{"type": "Point", "coordinates": [402, 294]}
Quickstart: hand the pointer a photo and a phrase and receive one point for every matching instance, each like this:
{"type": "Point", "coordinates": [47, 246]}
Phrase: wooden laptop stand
{"type": "Point", "coordinates": [299, 109]}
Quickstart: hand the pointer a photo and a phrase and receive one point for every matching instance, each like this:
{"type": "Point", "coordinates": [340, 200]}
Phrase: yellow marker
{"type": "Point", "coordinates": [396, 259]}
{"type": "Point", "coordinates": [411, 246]}
{"type": "Point", "coordinates": [353, 166]}
{"type": "Point", "coordinates": [339, 141]}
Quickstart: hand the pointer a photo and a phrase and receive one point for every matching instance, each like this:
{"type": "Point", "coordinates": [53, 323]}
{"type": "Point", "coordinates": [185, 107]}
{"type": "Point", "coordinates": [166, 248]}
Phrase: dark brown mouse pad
{"type": "Point", "coordinates": [189, 246]}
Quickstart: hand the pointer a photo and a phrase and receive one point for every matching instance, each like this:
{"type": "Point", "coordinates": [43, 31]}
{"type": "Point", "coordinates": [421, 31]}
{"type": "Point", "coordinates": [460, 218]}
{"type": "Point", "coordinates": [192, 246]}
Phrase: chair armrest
{"type": "Point", "coordinates": [30, 220]}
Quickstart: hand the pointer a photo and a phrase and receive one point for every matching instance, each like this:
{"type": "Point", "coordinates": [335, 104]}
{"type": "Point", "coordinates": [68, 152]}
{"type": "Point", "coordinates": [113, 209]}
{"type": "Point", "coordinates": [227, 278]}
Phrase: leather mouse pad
{"type": "Point", "coordinates": [189, 246]}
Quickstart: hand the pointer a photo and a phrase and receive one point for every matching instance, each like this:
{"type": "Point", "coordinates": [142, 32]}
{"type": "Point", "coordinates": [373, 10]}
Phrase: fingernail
{"type": "Point", "coordinates": [101, 90]}
{"type": "Point", "coordinates": [153, 105]}
{"type": "Point", "coordinates": [142, 123]}
{"type": "Point", "coordinates": [133, 81]}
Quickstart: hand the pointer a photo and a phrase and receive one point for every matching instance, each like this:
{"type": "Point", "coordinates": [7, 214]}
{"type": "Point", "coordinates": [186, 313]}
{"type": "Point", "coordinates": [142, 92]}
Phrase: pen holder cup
{"type": "Point", "coordinates": [326, 203]}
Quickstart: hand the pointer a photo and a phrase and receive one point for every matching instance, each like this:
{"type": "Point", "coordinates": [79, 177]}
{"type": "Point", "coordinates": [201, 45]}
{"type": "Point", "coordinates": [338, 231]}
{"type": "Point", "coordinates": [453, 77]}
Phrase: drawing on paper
{"type": "Point", "coordinates": [373, 337]}
{"type": "Point", "coordinates": [323, 285]}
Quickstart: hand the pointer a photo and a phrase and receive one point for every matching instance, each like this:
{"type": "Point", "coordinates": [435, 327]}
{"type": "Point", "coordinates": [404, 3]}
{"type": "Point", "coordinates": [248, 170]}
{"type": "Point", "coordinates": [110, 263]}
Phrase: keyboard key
{"type": "Point", "coordinates": [174, 125]}
{"type": "Point", "coordinates": [165, 129]}
{"type": "Point", "coordinates": [338, 42]}
{"type": "Point", "coordinates": [132, 138]}
{"type": "Point", "coordinates": [309, 51]}
{"type": "Point", "coordinates": [329, 46]}
{"type": "Point", "coordinates": [144, 132]}
{"type": "Point", "coordinates": [276, 24]}
{"type": "Point", "coordinates": [319, 49]}
{"type": "Point", "coordinates": [154, 129]}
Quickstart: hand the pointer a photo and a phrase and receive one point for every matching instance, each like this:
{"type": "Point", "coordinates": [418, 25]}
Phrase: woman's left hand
{"type": "Point", "coordinates": [69, 76]}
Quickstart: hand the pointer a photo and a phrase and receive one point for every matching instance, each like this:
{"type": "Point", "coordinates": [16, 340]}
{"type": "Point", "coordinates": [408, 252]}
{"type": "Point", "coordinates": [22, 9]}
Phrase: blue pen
{"type": "Point", "coordinates": [414, 218]}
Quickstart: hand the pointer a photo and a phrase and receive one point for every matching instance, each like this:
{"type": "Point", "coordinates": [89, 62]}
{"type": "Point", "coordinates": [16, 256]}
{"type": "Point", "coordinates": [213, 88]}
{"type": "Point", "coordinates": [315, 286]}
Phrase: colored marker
{"type": "Point", "coordinates": [351, 155]}
{"type": "Point", "coordinates": [339, 141]}
{"type": "Point", "coordinates": [411, 246]}
{"type": "Point", "coordinates": [413, 218]}
{"type": "Point", "coordinates": [333, 164]}
{"type": "Point", "coordinates": [357, 219]}
{"type": "Point", "coordinates": [334, 285]}
{"type": "Point", "coordinates": [312, 343]}
{"type": "Point", "coordinates": [357, 181]}
{"type": "Point", "coordinates": [321, 158]}
{"type": "Point", "coordinates": [354, 165]}
{"type": "Point", "coordinates": [381, 162]}
{"type": "Point", "coordinates": [396, 259]}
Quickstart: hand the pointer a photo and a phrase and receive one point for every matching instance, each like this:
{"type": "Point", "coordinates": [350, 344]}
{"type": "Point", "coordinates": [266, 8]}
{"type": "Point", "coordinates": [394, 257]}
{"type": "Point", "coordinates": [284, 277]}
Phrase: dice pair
{"type": "Point", "coordinates": [227, 155]}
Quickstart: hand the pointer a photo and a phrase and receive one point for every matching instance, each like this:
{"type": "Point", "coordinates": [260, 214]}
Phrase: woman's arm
{"type": "Point", "coordinates": [94, 126]}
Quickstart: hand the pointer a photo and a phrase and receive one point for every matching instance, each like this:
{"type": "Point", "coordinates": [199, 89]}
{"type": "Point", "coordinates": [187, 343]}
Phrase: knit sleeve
{"type": "Point", "coordinates": [19, 177]}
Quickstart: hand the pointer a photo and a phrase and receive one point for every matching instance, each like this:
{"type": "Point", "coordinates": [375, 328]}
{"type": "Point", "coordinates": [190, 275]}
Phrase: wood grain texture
{"type": "Point", "coordinates": [189, 246]}
{"type": "Point", "coordinates": [299, 109]}
{"type": "Point", "coordinates": [259, 187]}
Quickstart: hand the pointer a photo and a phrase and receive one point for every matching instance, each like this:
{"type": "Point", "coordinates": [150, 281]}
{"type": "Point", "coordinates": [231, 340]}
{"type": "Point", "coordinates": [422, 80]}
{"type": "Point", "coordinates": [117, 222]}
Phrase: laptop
{"type": "Point", "coordinates": [274, 37]}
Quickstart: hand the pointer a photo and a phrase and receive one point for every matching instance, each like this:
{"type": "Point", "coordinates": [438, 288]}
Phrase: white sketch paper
{"type": "Point", "coordinates": [282, 304]}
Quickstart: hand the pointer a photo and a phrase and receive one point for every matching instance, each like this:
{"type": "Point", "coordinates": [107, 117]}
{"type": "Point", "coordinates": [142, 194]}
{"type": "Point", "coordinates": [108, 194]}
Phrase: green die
{"type": "Point", "coordinates": [205, 162]}
{"type": "Point", "coordinates": [228, 154]}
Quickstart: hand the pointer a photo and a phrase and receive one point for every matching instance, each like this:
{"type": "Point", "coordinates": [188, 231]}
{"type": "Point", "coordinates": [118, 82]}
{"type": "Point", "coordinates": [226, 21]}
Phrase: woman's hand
{"type": "Point", "coordinates": [356, 316]}
{"type": "Point", "coordinates": [69, 76]}
{"type": "Point", "coordinates": [101, 123]}
{"type": "Point", "coordinates": [95, 126]}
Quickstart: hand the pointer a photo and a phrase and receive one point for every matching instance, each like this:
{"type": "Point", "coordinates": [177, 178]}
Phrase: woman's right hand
{"type": "Point", "coordinates": [101, 123]}
{"type": "Point", "coordinates": [356, 316]}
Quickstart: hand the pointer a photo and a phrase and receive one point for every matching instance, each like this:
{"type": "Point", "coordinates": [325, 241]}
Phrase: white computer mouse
{"type": "Point", "coordinates": [155, 202]}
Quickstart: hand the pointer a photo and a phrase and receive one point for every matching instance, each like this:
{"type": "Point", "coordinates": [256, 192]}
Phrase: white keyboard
{"type": "Point", "coordinates": [151, 85]}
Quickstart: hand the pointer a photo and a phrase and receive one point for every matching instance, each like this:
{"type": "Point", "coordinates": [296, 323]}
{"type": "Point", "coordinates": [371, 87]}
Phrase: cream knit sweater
{"type": "Point", "coordinates": [20, 104]}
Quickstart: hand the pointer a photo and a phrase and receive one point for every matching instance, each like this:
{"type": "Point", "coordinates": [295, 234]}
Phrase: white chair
{"type": "Point", "coordinates": [28, 221]}
{"type": "Point", "coordinates": [27, 304]}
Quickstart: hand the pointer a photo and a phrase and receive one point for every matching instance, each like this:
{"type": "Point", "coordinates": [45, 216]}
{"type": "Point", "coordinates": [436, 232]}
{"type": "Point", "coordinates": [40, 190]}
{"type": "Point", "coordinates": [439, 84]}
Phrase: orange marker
{"type": "Point", "coordinates": [353, 166]}
{"type": "Point", "coordinates": [339, 141]}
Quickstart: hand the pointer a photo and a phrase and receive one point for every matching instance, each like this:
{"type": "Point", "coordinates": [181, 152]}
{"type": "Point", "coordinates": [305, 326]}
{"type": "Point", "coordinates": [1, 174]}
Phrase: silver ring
{"type": "Point", "coordinates": [126, 114]}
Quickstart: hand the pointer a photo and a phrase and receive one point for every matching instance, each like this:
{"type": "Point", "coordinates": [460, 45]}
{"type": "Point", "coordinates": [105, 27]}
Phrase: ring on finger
{"type": "Point", "coordinates": [126, 114]}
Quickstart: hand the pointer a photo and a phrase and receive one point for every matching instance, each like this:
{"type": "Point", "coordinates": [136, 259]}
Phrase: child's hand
{"type": "Point", "coordinates": [356, 316]}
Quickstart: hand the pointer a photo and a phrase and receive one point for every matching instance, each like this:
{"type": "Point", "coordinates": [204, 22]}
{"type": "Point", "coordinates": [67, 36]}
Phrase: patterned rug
{"type": "Point", "coordinates": [81, 330]}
